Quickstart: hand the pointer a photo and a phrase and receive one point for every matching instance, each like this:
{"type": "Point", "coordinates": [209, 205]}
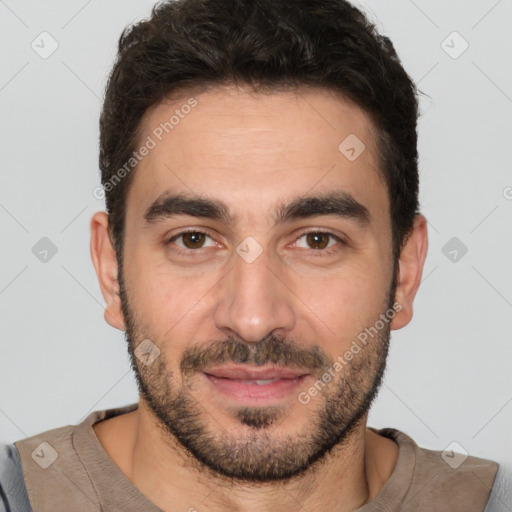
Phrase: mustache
{"type": "Point", "coordinates": [271, 349]}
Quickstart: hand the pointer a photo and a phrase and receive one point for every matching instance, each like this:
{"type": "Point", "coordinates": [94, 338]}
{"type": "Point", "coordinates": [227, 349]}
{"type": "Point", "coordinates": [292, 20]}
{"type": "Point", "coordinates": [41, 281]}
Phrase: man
{"type": "Point", "coordinates": [262, 240]}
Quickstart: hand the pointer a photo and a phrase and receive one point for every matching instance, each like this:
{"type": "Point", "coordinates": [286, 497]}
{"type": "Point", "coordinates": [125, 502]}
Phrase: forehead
{"type": "Point", "coordinates": [236, 146]}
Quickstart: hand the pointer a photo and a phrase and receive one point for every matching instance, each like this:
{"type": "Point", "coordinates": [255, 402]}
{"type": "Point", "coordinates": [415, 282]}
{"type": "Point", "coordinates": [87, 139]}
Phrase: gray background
{"type": "Point", "coordinates": [448, 376]}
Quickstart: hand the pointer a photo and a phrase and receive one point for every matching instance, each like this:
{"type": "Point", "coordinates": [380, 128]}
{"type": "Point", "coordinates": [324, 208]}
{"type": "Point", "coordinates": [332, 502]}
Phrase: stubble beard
{"type": "Point", "coordinates": [256, 451]}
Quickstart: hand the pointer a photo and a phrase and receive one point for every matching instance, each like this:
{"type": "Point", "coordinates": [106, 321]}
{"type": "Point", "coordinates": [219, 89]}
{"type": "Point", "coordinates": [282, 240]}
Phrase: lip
{"type": "Point", "coordinates": [238, 383]}
{"type": "Point", "coordinates": [254, 373]}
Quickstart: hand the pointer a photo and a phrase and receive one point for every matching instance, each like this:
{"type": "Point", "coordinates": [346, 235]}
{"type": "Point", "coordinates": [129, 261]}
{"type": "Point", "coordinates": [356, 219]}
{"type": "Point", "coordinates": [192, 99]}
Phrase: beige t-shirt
{"type": "Point", "coordinates": [67, 470]}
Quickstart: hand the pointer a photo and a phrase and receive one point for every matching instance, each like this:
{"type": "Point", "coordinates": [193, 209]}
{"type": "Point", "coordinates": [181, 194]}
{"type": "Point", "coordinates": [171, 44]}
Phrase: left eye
{"type": "Point", "coordinates": [319, 238]}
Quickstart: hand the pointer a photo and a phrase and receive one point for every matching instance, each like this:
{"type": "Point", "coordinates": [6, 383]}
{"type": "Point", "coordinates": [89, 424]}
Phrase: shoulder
{"type": "Point", "coordinates": [13, 493]}
{"type": "Point", "coordinates": [451, 477]}
{"type": "Point", "coordinates": [53, 470]}
{"type": "Point", "coordinates": [61, 436]}
{"type": "Point", "coordinates": [41, 451]}
{"type": "Point", "coordinates": [54, 476]}
{"type": "Point", "coordinates": [56, 462]}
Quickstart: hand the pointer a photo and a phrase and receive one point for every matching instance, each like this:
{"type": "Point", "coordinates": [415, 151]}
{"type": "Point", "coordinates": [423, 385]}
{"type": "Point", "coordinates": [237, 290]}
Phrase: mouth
{"type": "Point", "coordinates": [255, 386]}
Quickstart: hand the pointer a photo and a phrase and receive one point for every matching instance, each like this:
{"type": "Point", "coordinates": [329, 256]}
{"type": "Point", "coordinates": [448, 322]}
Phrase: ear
{"type": "Point", "coordinates": [104, 259]}
{"type": "Point", "coordinates": [412, 259]}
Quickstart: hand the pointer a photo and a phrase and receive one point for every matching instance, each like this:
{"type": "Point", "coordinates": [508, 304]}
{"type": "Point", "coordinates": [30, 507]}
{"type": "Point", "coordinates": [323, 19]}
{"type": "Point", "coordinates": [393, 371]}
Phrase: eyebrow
{"type": "Point", "coordinates": [337, 203]}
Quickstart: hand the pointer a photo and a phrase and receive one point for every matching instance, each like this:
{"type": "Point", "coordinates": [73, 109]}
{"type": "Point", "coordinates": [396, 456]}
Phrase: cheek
{"type": "Point", "coordinates": [168, 305]}
{"type": "Point", "coordinates": [348, 302]}
{"type": "Point", "coordinates": [151, 293]}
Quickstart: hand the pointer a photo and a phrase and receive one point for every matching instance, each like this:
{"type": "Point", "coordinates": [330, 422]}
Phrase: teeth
{"type": "Point", "coordinates": [259, 382]}
{"type": "Point", "coordinates": [262, 382]}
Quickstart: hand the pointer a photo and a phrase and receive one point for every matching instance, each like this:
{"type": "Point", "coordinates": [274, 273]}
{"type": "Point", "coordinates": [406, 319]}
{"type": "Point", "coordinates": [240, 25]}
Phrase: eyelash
{"type": "Point", "coordinates": [316, 252]}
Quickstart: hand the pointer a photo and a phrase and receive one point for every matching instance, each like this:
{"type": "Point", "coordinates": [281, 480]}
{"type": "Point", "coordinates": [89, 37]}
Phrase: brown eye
{"type": "Point", "coordinates": [317, 240]}
{"type": "Point", "coordinates": [190, 240]}
{"type": "Point", "coordinates": [193, 239]}
{"type": "Point", "coordinates": [320, 243]}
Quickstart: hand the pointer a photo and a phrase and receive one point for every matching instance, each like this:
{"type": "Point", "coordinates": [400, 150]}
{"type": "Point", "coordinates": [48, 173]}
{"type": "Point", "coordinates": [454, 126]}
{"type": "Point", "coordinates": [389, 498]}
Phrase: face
{"type": "Point", "coordinates": [257, 256]}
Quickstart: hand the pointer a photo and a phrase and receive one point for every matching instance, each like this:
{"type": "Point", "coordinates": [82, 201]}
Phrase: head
{"type": "Point", "coordinates": [259, 163]}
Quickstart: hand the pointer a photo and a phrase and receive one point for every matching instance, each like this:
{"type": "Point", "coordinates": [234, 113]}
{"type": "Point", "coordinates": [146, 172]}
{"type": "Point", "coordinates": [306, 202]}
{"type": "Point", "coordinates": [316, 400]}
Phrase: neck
{"type": "Point", "coordinates": [351, 475]}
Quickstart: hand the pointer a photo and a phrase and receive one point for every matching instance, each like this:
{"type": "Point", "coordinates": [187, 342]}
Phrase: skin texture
{"type": "Point", "coordinates": [187, 445]}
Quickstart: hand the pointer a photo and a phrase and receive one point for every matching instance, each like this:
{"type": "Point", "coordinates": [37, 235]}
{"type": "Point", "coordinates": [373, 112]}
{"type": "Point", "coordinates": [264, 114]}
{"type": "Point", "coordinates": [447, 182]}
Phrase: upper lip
{"type": "Point", "coordinates": [254, 373]}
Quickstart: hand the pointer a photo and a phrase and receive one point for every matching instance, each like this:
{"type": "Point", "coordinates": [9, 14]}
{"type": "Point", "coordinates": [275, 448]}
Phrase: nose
{"type": "Point", "coordinates": [254, 300]}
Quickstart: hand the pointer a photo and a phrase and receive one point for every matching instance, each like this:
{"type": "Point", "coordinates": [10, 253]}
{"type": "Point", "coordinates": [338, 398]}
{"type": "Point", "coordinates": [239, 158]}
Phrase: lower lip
{"type": "Point", "coordinates": [256, 393]}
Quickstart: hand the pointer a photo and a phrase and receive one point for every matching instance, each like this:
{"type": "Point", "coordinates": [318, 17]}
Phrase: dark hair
{"type": "Point", "coordinates": [190, 45]}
